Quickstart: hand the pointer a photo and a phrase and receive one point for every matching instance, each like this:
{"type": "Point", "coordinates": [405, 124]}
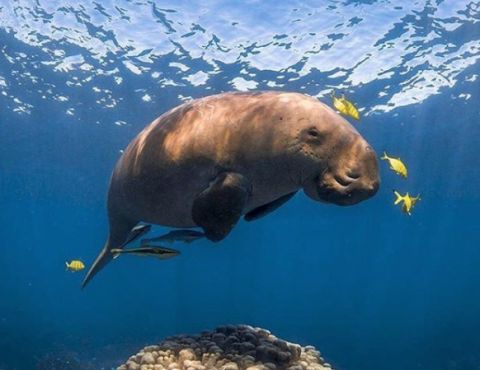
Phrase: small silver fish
{"type": "Point", "coordinates": [136, 233]}
{"type": "Point", "coordinates": [148, 251]}
{"type": "Point", "coordinates": [184, 235]}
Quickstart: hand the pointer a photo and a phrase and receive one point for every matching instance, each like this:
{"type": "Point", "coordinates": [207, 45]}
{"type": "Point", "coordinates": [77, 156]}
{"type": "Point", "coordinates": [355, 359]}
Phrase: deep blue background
{"type": "Point", "coordinates": [370, 287]}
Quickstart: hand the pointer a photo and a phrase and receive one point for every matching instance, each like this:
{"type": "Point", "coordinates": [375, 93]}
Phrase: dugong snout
{"type": "Point", "coordinates": [354, 177]}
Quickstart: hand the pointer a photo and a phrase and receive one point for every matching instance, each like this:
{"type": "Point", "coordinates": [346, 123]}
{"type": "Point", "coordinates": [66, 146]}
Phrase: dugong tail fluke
{"type": "Point", "coordinates": [102, 259]}
{"type": "Point", "coordinates": [120, 231]}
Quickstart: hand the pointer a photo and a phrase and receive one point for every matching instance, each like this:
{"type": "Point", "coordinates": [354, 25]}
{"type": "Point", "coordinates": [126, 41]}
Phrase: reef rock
{"type": "Point", "coordinates": [229, 347]}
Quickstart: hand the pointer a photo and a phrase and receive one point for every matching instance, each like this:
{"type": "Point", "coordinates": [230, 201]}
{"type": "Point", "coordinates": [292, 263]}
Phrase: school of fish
{"type": "Point", "coordinates": [406, 202]}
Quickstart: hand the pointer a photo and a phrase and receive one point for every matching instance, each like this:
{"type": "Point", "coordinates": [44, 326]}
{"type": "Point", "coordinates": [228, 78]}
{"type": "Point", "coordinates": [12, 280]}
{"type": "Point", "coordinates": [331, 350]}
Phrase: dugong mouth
{"type": "Point", "coordinates": [341, 189]}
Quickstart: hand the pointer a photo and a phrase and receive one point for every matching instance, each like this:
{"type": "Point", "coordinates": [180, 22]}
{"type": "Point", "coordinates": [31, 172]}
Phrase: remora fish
{"type": "Point", "coordinates": [184, 235]}
{"type": "Point", "coordinates": [136, 233]}
{"type": "Point", "coordinates": [148, 251]}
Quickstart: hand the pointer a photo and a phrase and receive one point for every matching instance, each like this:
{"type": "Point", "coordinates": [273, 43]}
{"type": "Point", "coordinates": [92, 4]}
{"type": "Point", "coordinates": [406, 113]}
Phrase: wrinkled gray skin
{"type": "Point", "coordinates": [210, 161]}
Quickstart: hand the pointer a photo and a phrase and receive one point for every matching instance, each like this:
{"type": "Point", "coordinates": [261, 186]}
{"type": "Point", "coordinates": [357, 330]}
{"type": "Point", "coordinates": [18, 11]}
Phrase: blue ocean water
{"type": "Point", "coordinates": [370, 287]}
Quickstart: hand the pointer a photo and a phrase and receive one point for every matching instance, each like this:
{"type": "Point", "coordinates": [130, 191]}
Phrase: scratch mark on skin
{"type": "Point", "coordinates": [198, 107]}
{"type": "Point", "coordinates": [211, 110]}
{"type": "Point", "coordinates": [293, 149]}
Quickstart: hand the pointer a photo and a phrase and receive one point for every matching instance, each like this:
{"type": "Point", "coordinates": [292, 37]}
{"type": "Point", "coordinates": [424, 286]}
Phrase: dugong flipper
{"type": "Point", "coordinates": [219, 207]}
{"type": "Point", "coordinates": [268, 208]}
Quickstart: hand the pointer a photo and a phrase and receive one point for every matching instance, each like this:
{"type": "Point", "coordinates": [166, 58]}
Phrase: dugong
{"type": "Point", "coordinates": [208, 162]}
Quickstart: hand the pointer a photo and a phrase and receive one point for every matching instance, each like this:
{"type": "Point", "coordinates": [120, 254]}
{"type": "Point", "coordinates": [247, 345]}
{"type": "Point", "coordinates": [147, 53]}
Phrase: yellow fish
{"type": "Point", "coordinates": [345, 107]}
{"type": "Point", "coordinates": [75, 265]}
{"type": "Point", "coordinates": [408, 202]}
{"type": "Point", "coordinates": [396, 165]}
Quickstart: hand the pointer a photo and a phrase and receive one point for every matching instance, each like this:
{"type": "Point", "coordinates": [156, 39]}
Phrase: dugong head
{"type": "Point", "coordinates": [338, 165]}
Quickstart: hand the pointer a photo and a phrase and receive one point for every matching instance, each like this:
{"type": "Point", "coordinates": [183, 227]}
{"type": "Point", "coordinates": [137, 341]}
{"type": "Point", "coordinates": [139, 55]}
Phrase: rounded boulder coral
{"type": "Point", "coordinates": [229, 347]}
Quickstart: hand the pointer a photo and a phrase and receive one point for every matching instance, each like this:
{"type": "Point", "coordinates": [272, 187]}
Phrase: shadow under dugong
{"type": "Point", "coordinates": [208, 162]}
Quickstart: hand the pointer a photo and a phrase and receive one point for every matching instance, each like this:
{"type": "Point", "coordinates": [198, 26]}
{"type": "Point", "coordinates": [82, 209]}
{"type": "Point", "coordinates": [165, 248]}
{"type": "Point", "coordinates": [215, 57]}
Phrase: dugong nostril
{"type": "Point", "coordinates": [342, 181]}
{"type": "Point", "coordinates": [353, 174]}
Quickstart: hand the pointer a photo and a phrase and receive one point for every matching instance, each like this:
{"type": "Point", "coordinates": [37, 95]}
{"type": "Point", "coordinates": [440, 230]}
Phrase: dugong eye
{"type": "Point", "coordinates": [312, 135]}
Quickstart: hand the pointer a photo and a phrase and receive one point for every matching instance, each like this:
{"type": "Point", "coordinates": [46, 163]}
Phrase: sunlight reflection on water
{"type": "Point", "coordinates": [317, 45]}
